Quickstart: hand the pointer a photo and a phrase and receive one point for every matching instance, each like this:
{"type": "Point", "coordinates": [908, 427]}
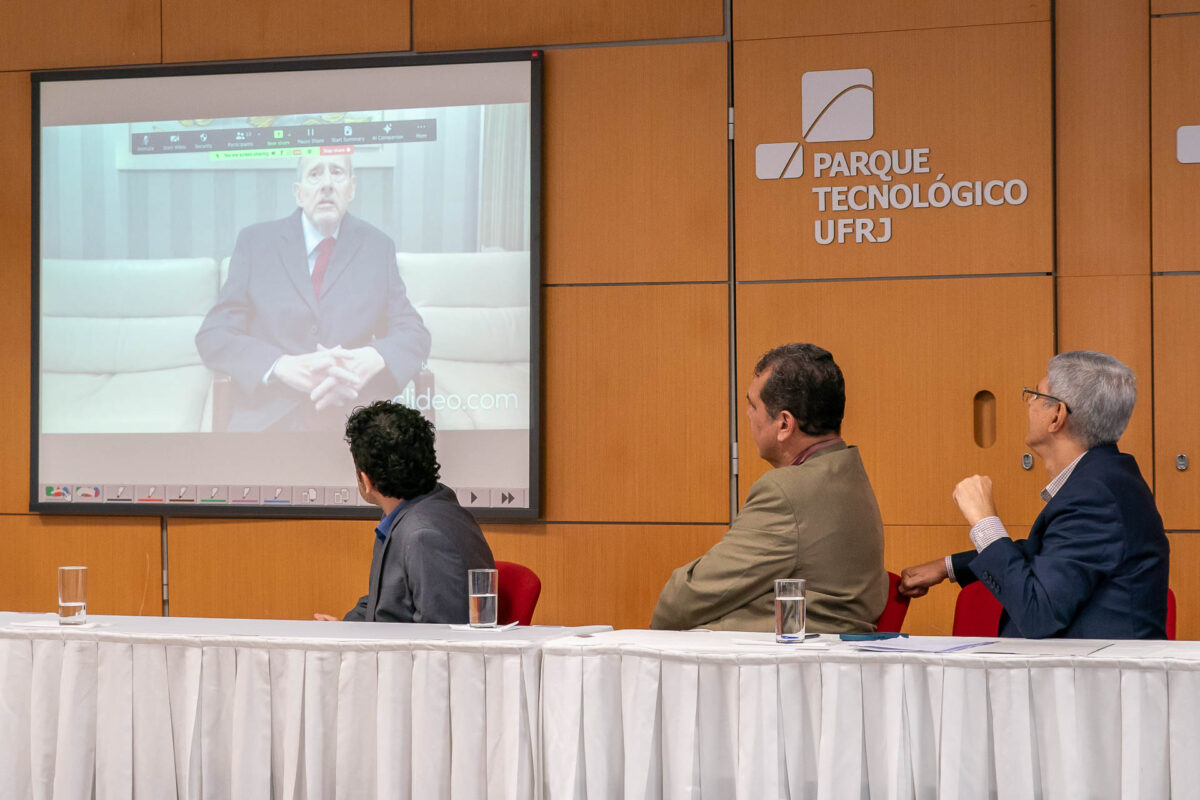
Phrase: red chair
{"type": "Point", "coordinates": [977, 612]}
{"type": "Point", "coordinates": [1170, 615]}
{"type": "Point", "coordinates": [894, 612]}
{"type": "Point", "coordinates": [520, 588]}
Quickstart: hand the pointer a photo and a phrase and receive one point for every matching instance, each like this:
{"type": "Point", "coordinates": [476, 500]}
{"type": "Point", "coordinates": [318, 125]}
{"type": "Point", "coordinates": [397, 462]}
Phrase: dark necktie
{"type": "Point", "coordinates": [324, 251]}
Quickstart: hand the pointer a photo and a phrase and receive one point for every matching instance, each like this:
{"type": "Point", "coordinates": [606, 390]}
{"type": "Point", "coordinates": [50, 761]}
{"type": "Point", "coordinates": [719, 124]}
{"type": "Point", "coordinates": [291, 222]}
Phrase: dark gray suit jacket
{"type": "Point", "coordinates": [419, 572]}
{"type": "Point", "coordinates": [267, 308]}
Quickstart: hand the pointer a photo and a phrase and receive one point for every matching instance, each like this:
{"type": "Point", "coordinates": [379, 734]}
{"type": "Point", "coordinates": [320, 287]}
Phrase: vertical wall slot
{"type": "Point", "coordinates": [985, 419]}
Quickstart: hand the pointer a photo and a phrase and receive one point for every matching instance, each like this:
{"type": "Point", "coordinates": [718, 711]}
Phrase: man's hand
{"type": "Point", "coordinates": [330, 376]}
{"type": "Point", "coordinates": [303, 372]}
{"type": "Point", "coordinates": [326, 617]}
{"type": "Point", "coordinates": [974, 498]}
{"type": "Point", "coordinates": [915, 581]}
{"type": "Point", "coordinates": [355, 367]}
{"type": "Point", "coordinates": [332, 392]}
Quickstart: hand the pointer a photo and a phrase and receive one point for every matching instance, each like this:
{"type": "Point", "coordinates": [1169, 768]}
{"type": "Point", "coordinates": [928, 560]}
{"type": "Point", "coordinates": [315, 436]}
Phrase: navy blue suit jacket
{"type": "Point", "coordinates": [1094, 566]}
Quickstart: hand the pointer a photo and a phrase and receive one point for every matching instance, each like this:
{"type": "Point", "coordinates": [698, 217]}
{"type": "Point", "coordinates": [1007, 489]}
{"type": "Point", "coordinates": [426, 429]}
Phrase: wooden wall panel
{"type": "Point", "coordinates": [915, 353]}
{"type": "Point", "coordinates": [1174, 6]}
{"type": "Point", "coordinates": [1102, 129]}
{"type": "Point", "coordinates": [770, 19]}
{"type": "Point", "coordinates": [636, 412]}
{"type": "Point", "coordinates": [1176, 387]}
{"type": "Point", "coordinates": [51, 34]}
{"type": "Point", "coordinates": [229, 29]}
{"type": "Point", "coordinates": [933, 614]}
{"type": "Point", "coordinates": [123, 557]}
{"type": "Point", "coordinates": [267, 569]}
{"type": "Point", "coordinates": [14, 268]}
{"type": "Point", "coordinates": [601, 574]}
{"type": "Point", "coordinates": [978, 98]}
{"type": "Point", "coordinates": [439, 24]}
{"type": "Point", "coordinates": [1174, 102]}
{"type": "Point", "coordinates": [289, 570]}
{"type": "Point", "coordinates": [1112, 315]}
{"type": "Point", "coordinates": [636, 164]}
{"type": "Point", "coordinates": [1185, 582]}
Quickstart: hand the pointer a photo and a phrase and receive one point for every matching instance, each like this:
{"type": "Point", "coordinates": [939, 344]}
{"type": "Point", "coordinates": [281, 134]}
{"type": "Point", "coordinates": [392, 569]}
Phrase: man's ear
{"type": "Point", "coordinates": [1059, 421]}
{"type": "Point", "coordinates": [787, 425]}
{"type": "Point", "coordinates": [364, 483]}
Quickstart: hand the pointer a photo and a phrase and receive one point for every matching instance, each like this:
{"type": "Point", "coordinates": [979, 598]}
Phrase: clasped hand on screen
{"type": "Point", "coordinates": [330, 376]}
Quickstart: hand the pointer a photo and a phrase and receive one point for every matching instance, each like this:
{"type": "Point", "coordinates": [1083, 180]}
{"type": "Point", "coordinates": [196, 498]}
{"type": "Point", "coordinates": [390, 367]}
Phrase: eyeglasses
{"type": "Point", "coordinates": [1025, 393]}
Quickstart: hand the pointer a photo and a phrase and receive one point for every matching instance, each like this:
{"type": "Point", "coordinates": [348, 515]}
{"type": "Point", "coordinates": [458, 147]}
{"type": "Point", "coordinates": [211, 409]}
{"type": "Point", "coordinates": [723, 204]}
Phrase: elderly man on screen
{"type": "Point", "coordinates": [812, 516]}
{"type": "Point", "coordinates": [314, 316]}
{"type": "Point", "coordinates": [1095, 564]}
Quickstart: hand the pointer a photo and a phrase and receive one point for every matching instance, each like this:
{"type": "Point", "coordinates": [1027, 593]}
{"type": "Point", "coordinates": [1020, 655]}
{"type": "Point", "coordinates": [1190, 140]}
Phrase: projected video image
{"type": "Point", "coordinates": [265, 273]}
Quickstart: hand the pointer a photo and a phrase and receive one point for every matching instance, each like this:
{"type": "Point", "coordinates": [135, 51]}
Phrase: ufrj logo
{"type": "Point", "coordinates": [836, 105]}
{"type": "Point", "coordinates": [1187, 144]}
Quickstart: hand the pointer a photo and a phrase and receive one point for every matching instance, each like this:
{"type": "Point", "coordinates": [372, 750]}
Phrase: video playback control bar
{"type": "Point", "coordinates": [241, 495]}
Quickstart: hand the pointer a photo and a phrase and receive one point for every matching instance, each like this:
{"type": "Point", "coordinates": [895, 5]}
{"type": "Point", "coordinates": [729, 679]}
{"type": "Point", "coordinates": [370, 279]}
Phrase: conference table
{"type": "Point", "coordinates": [156, 707]}
{"type": "Point", "coordinates": [217, 708]}
{"type": "Point", "coordinates": [701, 714]}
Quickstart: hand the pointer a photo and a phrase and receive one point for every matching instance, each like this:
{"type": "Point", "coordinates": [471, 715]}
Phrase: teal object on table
{"type": "Point", "coordinates": [870, 637]}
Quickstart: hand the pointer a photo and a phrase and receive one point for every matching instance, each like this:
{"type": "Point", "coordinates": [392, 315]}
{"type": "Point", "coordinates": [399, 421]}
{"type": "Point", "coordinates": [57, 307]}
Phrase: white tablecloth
{"type": "Point", "coordinates": [207, 708]}
{"type": "Point", "coordinates": [648, 714]}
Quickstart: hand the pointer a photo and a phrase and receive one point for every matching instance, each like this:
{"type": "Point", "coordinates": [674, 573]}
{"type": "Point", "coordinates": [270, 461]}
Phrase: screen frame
{"type": "Point", "coordinates": [320, 63]}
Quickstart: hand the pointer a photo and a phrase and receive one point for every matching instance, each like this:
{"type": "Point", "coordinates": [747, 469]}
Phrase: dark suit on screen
{"type": "Point", "coordinates": [419, 571]}
{"type": "Point", "coordinates": [268, 309]}
{"type": "Point", "coordinates": [1095, 565]}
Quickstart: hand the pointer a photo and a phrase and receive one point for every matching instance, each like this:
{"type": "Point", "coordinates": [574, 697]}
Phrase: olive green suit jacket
{"type": "Point", "coordinates": [818, 521]}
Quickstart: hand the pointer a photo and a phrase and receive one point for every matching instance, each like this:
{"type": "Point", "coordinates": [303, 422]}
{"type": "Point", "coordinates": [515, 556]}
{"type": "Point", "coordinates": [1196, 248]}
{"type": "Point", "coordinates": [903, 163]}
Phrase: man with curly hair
{"type": "Point", "coordinates": [426, 541]}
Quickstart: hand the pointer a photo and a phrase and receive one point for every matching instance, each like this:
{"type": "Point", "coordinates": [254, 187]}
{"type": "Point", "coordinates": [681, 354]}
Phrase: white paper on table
{"type": "Point", "coordinates": [1043, 647]}
{"type": "Point", "coordinates": [54, 623]}
{"type": "Point", "coordinates": [495, 629]}
{"type": "Point", "coordinates": [922, 644]}
{"type": "Point", "coordinates": [808, 644]}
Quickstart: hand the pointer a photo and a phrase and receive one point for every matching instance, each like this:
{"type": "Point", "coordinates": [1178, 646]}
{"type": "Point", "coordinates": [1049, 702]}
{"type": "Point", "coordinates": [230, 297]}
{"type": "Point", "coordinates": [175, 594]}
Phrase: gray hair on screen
{"type": "Point", "coordinates": [1100, 390]}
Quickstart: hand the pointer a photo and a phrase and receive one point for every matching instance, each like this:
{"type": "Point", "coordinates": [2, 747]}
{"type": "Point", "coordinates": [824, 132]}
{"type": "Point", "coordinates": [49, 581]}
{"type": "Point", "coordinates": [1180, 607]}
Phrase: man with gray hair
{"type": "Point", "coordinates": [1096, 561]}
{"type": "Point", "coordinates": [314, 317]}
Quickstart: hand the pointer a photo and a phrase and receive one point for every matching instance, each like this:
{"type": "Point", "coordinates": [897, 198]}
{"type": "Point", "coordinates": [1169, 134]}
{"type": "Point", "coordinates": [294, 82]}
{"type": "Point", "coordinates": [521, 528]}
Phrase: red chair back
{"type": "Point", "coordinates": [1170, 615]}
{"type": "Point", "coordinates": [977, 612]}
{"type": "Point", "coordinates": [893, 614]}
{"type": "Point", "coordinates": [520, 588]}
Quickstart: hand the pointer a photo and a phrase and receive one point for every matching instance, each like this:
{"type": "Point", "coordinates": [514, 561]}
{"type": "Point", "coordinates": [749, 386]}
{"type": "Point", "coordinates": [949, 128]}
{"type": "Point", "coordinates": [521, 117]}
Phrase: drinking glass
{"type": "Point", "coordinates": [483, 597]}
{"type": "Point", "coordinates": [789, 609]}
{"type": "Point", "coordinates": [72, 595]}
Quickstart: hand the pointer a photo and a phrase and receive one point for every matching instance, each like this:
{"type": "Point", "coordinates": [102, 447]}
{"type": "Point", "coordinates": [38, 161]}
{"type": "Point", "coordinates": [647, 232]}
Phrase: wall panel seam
{"type": "Point", "coordinates": [898, 278]}
{"type": "Point", "coordinates": [900, 30]}
{"type": "Point", "coordinates": [636, 283]}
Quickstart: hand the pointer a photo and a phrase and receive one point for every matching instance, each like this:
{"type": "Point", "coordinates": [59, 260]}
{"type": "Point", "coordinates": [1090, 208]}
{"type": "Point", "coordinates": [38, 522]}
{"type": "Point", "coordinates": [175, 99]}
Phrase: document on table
{"type": "Point", "coordinates": [923, 644]}
{"type": "Point", "coordinates": [1044, 647]}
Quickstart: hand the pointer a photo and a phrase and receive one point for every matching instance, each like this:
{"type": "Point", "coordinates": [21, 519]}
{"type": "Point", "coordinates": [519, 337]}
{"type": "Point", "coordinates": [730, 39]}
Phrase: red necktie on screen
{"type": "Point", "coordinates": [324, 251]}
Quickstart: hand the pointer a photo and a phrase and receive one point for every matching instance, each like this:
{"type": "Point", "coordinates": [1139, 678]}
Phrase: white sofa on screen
{"type": "Point", "coordinates": [476, 307]}
{"type": "Point", "coordinates": [117, 345]}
